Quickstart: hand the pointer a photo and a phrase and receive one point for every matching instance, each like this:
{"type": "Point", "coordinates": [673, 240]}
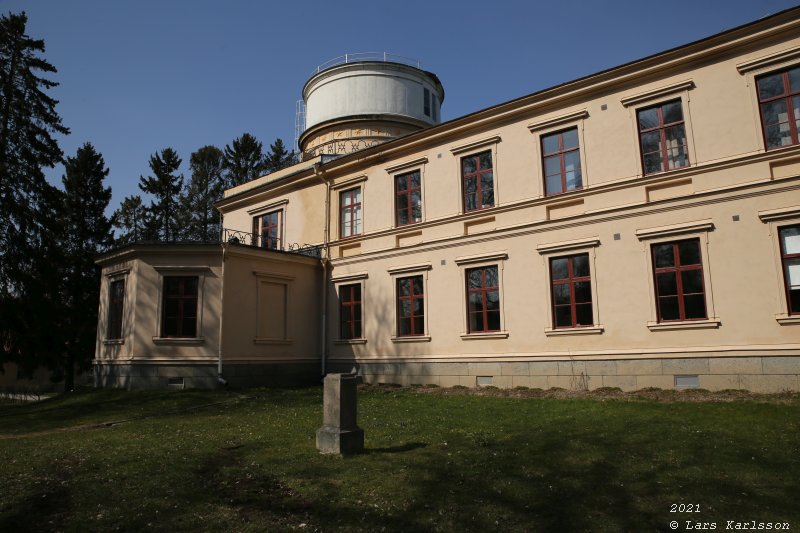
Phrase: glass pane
{"type": "Point", "coordinates": [778, 135]}
{"type": "Point", "coordinates": [689, 252]}
{"type": "Point", "coordinates": [486, 160]}
{"type": "Point", "coordinates": [475, 302]}
{"type": "Point", "coordinates": [553, 184]}
{"type": "Point", "coordinates": [357, 195]}
{"type": "Point", "coordinates": [651, 142]}
{"type": "Point", "coordinates": [493, 317]}
{"type": "Point", "coordinates": [416, 213]}
{"type": "Point", "coordinates": [796, 105]}
{"type": "Point", "coordinates": [794, 300]}
{"type": "Point", "coordinates": [476, 322]}
{"type": "Point", "coordinates": [653, 163]}
{"type": "Point", "coordinates": [695, 306]}
{"type": "Point", "coordinates": [170, 326]}
{"type": "Point", "coordinates": [563, 316]}
{"type": "Point", "coordinates": [487, 196]}
{"type": "Point", "coordinates": [558, 268]}
{"type": "Point", "coordinates": [580, 265]}
{"type": "Point", "coordinates": [474, 278]}
{"type": "Point", "coordinates": [190, 286]}
{"type": "Point", "coordinates": [550, 144]}
{"type": "Point", "coordinates": [417, 280]}
{"type": "Point", "coordinates": [692, 281]}
{"type": "Point", "coordinates": [492, 301]}
{"type": "Point", "coordinates": [405, 308]}
{"type": "Point", "coordinates": [561, 294]}
{"type": "Point", "coordinates": [792, 272]}
{"type": "Point", "coordinates": [770, 86]}
{"type": "Point", "coordinates": [471, 202]}
{"type": "Point", "coordinates": [415, 181]}
{"type": "Point", "coordinates": [572, 168]}
{"type": "Point", "coordinates": [468, 165]}
{"type": "Point", "coordinates": [794, 80]}
{"type": "Point", "coordinates": [552, 165]}
{"type": "Point", "coordinates": [672, 112]}
{"type": "Point", "coordinates": [402, 202]}
{"type": "Point", "coordinates": [171, 308]}
{"type": "Point", "coordinates": [667, 284]}
{"type": "Point", "coordinates": [663, 255]}
{"type": "Point", "coordinates": [404, 286]}
{"type": "Point", "coordinates": [491, 276]}
{"type": "Point", "coordinates": [419, 306]}
{"type": "Point", "coordinates": [357, 329]}
{"type": "Point", "coordinates": [402, 216]}
{"type": "Point", "coordinates": [774, 112]}
{"type": "Point", "coordinates": [404, 326]}
{"type": "Point", "coordinates": [648, 119]}
{"type": "Point", "coordinates": [583, 292]}
{"type": "Point", "coordinates": [790, 240]}
{"type": "Point", "coordinates": [171, 286]}
{"type": "Point", "coordinates": [470, 185]}
{"type": "Point", "coordinates": [668, 308]}
{"type": "Point", "coordinates": [583, 315]}
{"type": "Point", "coordinates": [190, 308]}
{"type": "Point", "coordinates": [419, 325]}
{"type": "Point", "coordinates": [401, 183]}
{"type": "Point", "coordinates": [189, 327]}
{"type": "Point", "coordinates": [357, 312]}
{"type": "Point", "coordinates": [570, 138]}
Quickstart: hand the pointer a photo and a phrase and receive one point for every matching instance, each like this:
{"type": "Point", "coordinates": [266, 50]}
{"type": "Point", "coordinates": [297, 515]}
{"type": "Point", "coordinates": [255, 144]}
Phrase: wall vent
{"type": "Point", "coordinates": [175, 383]}
{"type": "Point", "coordinates": [484, 381]}
{"type": "Point", "coordinates": [687, 382]}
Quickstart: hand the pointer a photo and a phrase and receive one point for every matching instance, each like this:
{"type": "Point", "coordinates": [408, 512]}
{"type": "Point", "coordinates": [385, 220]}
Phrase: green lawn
{"type": "Point", "coordinates": [246, 461]}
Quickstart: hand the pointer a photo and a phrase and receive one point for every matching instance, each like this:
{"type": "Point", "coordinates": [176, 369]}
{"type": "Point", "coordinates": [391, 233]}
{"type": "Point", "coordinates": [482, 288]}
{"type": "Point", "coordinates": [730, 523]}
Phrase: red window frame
{"type": "Point", "coordinates": [349, 211]}
{"type": "Point", "coordinates": [267, 230]}
{"type": "Point", "coordinates": [407, 181]}
{"type": "Point", "coordinates": [678, 269]}
{"type": "Point", "coordinates": [561, 152]}
{"type": "Point", "coordinates": [350, 311]}
{"type": "Point", "coordinates": [792, 305]}
{"type": "Point", "coordinates": [182, 290]}
{"type": "Point", "coordinates": [482, 291]}
{"type": "Point", "coordinates": [662, 129]}
{"type": "Point", "coordinates": [411, 291]}
{"type": "Point", "coordinates": [791, 98]}
{"type": "Point", "coordinates": [116, 303]}
{"type": "Point", "coordinates": [570, 281]}
{"type": "Point", "coordinates": [478, 174]}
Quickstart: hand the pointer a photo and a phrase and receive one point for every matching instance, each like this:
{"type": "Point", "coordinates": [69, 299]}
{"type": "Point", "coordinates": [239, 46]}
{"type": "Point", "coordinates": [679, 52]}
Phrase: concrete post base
{"type": "Point", "coordinates": [340, 432]}
{"type": "Point", "coordinates": [342, 441]}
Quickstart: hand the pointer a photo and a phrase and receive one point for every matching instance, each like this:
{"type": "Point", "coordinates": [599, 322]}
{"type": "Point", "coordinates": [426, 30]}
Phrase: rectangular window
{"type": "Point", "coordinates": [410, 307]}
{"type": "Point", "coordinates": [350, 213]}
{"type": "Point", "coordinates": [662, 137]}
{"type": "Point", "coordinates": [779, 101]}
{"type": "Point", "coordinates": [483, 299]}
{"type": "Point", "coordinates": [350, 311]}
{"type": "Point", "coordinates": [790, 259]}
{"type": "Point", "coordinates": [678, 273]}
{"type": "Point", "coordinates": [116, 302]}
{"type": "Point", "coordinates": [571, 291]}
{"type": "Point", "coordinates": [408, 198]}
{"type": "Point", "coordinates": [179, 307]}
{"type": "Point", "coordinates": [267, 230]}
{"type": "Point", "coordinates": [434, 108]}
{"type": "Point", "coordinates": [561, 159]}
{"type": "Point", "coordinates": [477, 181]}
{"type": "Point", "coordinates": [427, 100]}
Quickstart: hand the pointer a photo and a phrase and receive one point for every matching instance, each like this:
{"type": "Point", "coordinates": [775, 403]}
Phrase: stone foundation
{"type": "Point", "coordinates": [756, 374]}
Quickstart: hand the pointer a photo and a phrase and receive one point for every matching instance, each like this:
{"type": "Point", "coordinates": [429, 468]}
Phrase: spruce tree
{"type": "Point", "coordinates": [278, 157]}
{"type": "Point", "coordinates": [29, 256]}
{"type": "Point", "coordinates": [244, 161]}
{"type": "Point", "coordinates": [204, 188]}
{"type": "Point", "coordinates": [85, 232]}
{"type": "Point", "coordinates": [130, 219]}
{"type": "Point", "coordinates": [165, 186]}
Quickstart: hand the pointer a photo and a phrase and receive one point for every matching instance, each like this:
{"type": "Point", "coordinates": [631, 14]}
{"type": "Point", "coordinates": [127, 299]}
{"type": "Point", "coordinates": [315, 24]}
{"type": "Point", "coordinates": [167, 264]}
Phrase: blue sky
{"type": "Point", "coordinates": [139, 76]}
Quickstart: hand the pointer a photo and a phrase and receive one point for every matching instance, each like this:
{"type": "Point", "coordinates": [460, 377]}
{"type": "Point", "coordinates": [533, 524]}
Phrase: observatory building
{"type": "Point", "coordinates": [635, 228]}
{"type": "Point", "coordinates": [356, 101]}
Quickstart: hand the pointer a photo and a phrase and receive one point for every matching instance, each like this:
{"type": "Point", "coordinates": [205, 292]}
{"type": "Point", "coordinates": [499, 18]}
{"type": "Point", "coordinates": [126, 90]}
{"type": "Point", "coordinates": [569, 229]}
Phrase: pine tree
{"type": "Point", "coordinates": [165, 186]}
{"type": "Point", "coordinates": [204, 188]}
{"type": "Point", "coordinates": [131, 219]}
{"type": "Point", "coordinates": [29, 255]}
{"type": "Point", "coordinates": [244, 161]}
{"type": "Point", "coordinates": [278, 157]}
{"type": "Point", "coordinates": [85, 231]}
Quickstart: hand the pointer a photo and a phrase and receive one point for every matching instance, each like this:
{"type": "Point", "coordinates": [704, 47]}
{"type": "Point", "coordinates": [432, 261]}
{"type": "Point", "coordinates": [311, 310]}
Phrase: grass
{"type": "Point", "coordinates": [436, 460]}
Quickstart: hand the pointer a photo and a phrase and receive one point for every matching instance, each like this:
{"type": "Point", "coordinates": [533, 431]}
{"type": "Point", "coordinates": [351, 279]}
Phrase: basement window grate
{"type": "Point", "coordinates": [175, 383]}
{"type": "Point", "coordinates": [484, 381]}
{"type": "Point", "coordinates": [687, 382]}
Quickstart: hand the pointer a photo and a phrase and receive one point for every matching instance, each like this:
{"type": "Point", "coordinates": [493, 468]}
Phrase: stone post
{"type": "Point", "coordinates": [340, 433]}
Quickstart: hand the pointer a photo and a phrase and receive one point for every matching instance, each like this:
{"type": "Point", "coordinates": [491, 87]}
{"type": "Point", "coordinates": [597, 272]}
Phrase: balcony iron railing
{"type": "Point", "coordinates": [266, 242]}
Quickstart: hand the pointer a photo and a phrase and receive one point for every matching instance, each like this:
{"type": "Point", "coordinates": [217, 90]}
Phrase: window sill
{"type": "Point", "coordinates": [689, 324]}
{"type": "Point", "coordinates": [488, 335]}
{"type": "Point", "coordinates": [350, 341]}
{"type": "Point", "coordinates": [412, 338]}
{"type": "Point", "coordinates": [112, 342]}
{"type": "Point", "coordinates": [788, 320]}
{"type": "Point", "coordinates": [586, 330]}
{"type": "Point", "coordinates": [179, 340]}
{"type": "Point", "coordinates": [264, 340]}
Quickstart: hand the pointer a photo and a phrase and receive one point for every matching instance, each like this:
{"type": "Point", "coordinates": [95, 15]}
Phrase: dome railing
{"type": "Point", "coordinates": [360, 57]}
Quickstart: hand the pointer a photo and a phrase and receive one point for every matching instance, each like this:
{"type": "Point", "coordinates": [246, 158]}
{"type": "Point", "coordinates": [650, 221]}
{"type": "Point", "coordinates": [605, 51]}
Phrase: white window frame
{"type": "Point", "coordinates": [465, 263]}
{"type": "Point", "coordinates": [774, 219]}
{"type": "Point", "coordinates": [408, 271]}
